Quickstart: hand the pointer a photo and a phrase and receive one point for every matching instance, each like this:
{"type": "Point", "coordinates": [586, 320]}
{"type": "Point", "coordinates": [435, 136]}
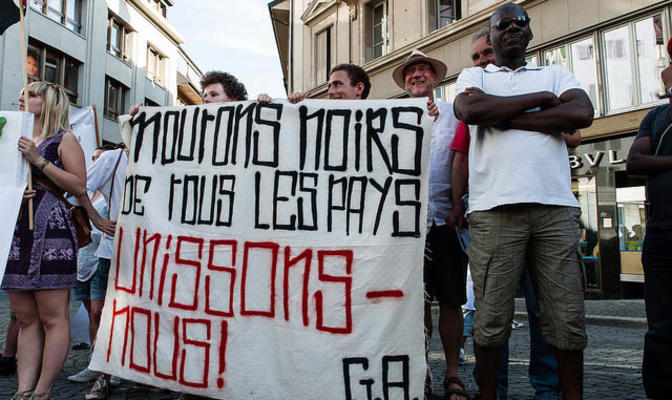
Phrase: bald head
{"type": "Point", "coordinates": [508, 8]}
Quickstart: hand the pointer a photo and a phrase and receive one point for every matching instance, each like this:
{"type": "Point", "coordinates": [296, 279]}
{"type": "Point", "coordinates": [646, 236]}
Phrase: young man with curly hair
{"type": "Point", "coordinates": [222, 87]}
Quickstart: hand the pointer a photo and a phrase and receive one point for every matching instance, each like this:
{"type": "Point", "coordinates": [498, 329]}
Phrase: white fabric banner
{"type": "Point", "coordinates": [13, 176]}
{"type": "Point", "coordinates": [272, 251]}
{"type": "Point", "coordinates": [83, 125]}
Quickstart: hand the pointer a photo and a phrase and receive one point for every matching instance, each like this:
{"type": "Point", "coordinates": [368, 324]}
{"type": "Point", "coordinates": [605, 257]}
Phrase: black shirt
{"type": "Point", "coordinates": [659, 186]}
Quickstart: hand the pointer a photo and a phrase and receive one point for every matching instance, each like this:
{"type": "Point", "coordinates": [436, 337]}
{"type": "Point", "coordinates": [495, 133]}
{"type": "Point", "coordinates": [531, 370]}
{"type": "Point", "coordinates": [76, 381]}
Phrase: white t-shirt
{"type": "Point", "coordinates": [99, 178]}
{"type": "Point", "coordinates": [440, 163]}
{"type": "Point", "coordinates": [517, 166]}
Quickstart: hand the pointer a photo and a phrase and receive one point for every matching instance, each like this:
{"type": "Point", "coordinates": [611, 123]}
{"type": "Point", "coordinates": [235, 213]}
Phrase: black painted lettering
{"type": "Point", "coordinates": [143, 123]}
{"type": "Point", "coordinates": [312, 192]}
{"type": "Point", "coordinates": [414, 129]}
{"type": "Point", "coordinates": [404, 383]}
{"type": "Point", "coordinates": [227, 184]}
{"type": "Point", "coordinates": [373, 137]}
{"type": "Point", "coordinates": [205, 118]}
{"type": "Point", "coordinates": [343, 165]}
{"type": "Point", "coordinates": [175, 115]}
{"type": "Point", "coordinates": [303, 135]}
{"type": "Point", "coordinates": [414, 203]}
{"type": "Point", "coordinates": [229, 110]}
{"type": "Point", "coordinates": [359, 200]}
{"type": "Point", "coordinates": [257, 195]}
{"type": "Point", "coordinates": [242, 112]}
{"type": "Point", "coordinates": [256, 160]}
{"type": "Point", "coordinates": [192, 139]}
{"type": "Point", "coordinates": [291, 224]}
{"type": "Point", "coordinates": [347, 363]}
{"type": "Point", "coordinates": [190, 198]}
{"type": "Point", "coordinates": [381, 204]}
{"type": "Point", "coordinates": [333, 182]}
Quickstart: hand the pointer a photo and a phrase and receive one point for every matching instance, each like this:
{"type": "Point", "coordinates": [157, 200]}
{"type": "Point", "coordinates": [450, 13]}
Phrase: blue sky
{"type": "Point", "coordinates": [235, 36]}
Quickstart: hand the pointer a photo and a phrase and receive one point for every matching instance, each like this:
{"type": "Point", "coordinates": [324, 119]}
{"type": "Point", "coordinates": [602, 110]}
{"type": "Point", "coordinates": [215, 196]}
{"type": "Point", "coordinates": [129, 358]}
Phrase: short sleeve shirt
{"type": "Point", "coordinates": [461, 140]}
{"type": "Point", "coordinates": [516, 166]}
{"type": "Point", "coordinates": [659, 186]}
{"type": "Point", "coordinates": [99, 177]}
{"type": "Point", "coordinates": [440, 163]}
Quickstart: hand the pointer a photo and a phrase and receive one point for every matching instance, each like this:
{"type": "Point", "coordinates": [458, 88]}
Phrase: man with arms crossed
{"type": "Point", "coordinates": [543, 368]}
{"type": "Point", "coordinates": [521, 205]}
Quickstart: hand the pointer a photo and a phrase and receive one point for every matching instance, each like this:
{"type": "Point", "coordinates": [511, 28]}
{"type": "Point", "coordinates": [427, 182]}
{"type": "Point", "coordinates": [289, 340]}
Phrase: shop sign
{"type": "Point", "coordinates": [595, 159]}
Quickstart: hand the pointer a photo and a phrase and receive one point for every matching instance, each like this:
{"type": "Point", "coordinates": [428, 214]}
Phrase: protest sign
{"type": "Point", "coordinates": [13, 176]}
{"type": "Point", "coordinates": [83, 123]}
{"type": "Point", "coordinates": [272, 251]}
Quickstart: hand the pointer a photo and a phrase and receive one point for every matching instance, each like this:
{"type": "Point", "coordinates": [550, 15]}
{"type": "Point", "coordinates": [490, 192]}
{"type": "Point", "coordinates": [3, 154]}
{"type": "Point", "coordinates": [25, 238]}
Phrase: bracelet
{"type": "Point", "coordinates": [43, 164]}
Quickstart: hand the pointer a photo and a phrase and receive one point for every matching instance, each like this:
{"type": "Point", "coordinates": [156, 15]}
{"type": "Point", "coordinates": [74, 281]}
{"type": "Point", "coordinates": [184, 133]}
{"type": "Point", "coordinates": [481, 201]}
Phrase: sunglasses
{"type": "Point", "coordinates": [521, 22]}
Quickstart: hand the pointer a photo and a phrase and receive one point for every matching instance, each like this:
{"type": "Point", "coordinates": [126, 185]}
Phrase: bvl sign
{"type": "Point", "coordinates": [595, 159]}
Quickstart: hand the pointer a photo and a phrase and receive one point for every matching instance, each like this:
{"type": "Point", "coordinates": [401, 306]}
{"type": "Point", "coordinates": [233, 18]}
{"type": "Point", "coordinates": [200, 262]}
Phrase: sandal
{"type": "Point", "coordinates": [22, 395]}
{"type": "Point", "coordinates": [455, 381]}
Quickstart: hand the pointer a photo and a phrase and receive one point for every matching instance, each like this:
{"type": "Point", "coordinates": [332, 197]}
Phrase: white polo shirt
{"type": "Point", "coordinates": [440, 163]}
{"type": "Point", "coordinates": [516, 166]}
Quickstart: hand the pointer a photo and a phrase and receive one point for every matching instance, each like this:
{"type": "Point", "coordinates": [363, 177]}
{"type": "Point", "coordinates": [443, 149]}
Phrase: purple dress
{"type": "Point", "coordinates": [44, 258]}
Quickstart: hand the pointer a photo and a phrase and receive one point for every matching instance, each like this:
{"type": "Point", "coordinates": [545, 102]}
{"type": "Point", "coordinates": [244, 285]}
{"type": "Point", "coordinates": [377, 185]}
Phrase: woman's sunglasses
{"type": "Point", "coordinates": [521, 22]}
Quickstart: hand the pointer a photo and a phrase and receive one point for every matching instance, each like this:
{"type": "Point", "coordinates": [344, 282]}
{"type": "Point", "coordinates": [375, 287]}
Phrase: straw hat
{"type": "Point", "coordinates": [417, 56]}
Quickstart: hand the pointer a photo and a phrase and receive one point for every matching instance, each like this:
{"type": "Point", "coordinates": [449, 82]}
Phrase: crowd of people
{"type": "Point", "coordinates": [512, 221]}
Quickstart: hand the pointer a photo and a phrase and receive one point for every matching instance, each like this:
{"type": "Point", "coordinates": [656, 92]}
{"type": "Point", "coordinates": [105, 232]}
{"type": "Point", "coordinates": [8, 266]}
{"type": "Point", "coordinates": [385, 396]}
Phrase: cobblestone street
{"type": "Point", "coordinates": [612, 362]}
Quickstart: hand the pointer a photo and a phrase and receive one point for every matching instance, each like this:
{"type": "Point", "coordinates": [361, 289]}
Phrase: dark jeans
{"type": "Point", "coordinates": [657, 261]}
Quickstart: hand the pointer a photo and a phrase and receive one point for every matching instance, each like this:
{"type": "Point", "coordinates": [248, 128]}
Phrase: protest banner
{"type": "Point", "coordinates": [83, 123]}
{"type": "Point", "coordinates": [272, 251]}
{"type": "Point", "coordinates": [13, 176]}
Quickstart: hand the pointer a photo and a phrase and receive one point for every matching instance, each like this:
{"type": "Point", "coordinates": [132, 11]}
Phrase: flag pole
{"type": "Point", "coordinates": [24, 66]}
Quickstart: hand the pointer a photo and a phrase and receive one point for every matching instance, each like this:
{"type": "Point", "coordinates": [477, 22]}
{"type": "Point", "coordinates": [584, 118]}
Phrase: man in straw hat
{"type": "Point", "coordinates": [445, 266]}
{"type": "Point", "coordinates": [521, 205]}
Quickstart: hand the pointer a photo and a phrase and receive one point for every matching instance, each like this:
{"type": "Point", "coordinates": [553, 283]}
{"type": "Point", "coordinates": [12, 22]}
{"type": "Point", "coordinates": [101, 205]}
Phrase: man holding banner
{"type": "Point", "coordinates": [445, 267]}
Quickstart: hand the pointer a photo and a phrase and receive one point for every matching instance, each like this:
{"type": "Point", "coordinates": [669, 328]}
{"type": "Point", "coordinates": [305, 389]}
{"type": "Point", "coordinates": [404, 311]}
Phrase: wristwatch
{"type": "Point", "coordinates": [668, 92]}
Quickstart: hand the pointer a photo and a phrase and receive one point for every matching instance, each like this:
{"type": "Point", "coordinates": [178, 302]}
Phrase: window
{"type": "Point", "coordinates": [584, 67]}
{"type": "Point", "coordinates": [585, 191]}
{"type": "Point", "coordinates": [155, 65]}
{"type": "Point", "coordinates": [634, 79]}
{"type": "Point", "coordinates": [445, 92]}
{"type": "Point", "coordinates": [532, 58]}
{"type": "Point", "coordinates": [578, 57]}
{"type": "Point", "coordinates": [115, 98]}
{"type": "Point", "coordinates": [380, 26]}
{"type": "Point", "coordinates": [66, 12]}
{"type": "Point", "coordinates": [118, 39]}
{"type": "Point", "coordinates": [444, 12]}
{"type": "Point", "coordinates": [650, 47]}
{"type": "Point", "coordinates": [618, 69]}
{"type": "Point", "coordinates": [323, 55]}
{"type": "Point", "coordinates": [50, 65]}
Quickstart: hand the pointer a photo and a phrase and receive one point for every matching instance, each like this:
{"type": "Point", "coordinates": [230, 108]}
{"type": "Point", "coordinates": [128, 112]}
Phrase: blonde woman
{"type": "Point", "coordinates": [42, 263]}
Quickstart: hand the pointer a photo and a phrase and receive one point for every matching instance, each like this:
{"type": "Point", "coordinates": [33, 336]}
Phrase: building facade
{"type": "Point", "coordinates": [106, 53]}
{"type": "Point", "coordinates": [615, 48]}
